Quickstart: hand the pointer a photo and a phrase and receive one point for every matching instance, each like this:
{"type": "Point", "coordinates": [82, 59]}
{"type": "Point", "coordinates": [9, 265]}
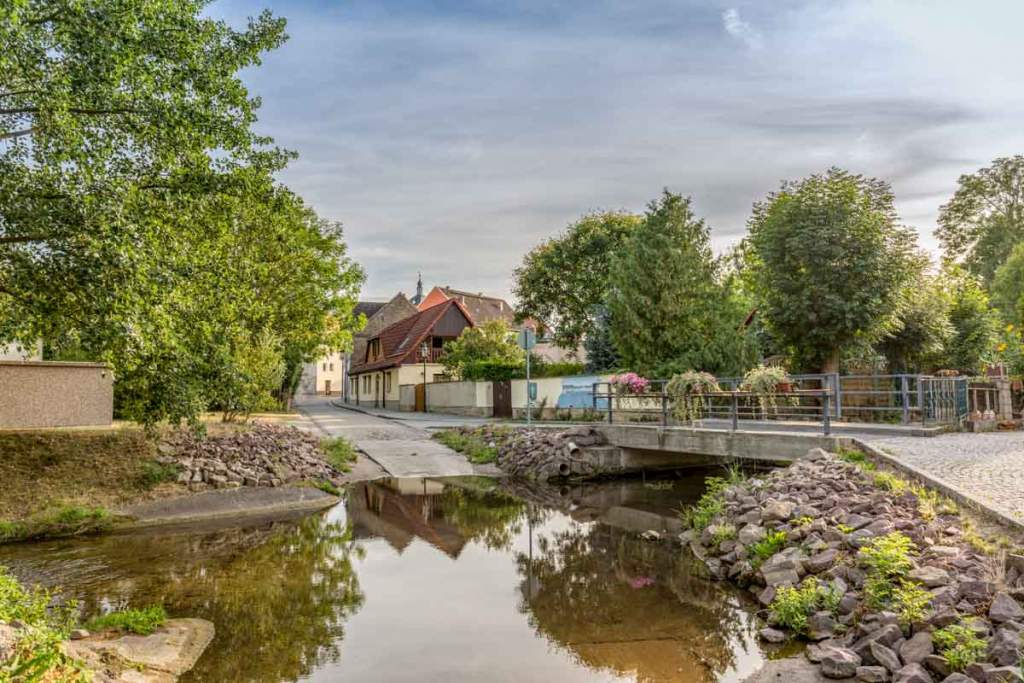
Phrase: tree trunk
{"type": "Point", "coordinates": [831, 364]}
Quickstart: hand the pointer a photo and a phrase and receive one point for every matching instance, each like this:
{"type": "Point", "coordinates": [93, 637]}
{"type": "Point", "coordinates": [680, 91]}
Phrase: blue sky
{"type": "Point", "coordinates": [450, 137]}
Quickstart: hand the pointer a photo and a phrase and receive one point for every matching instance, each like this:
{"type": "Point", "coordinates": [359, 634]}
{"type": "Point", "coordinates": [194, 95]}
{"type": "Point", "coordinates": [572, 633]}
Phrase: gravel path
{"type": "Point", "coordinates": [989, 467]}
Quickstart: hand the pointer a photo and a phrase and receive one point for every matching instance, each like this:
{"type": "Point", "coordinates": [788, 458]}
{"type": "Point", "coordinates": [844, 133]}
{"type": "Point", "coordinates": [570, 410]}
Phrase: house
{"type": "Point", "coordinates": [483, 308]}
{"type": "Point", "coordinates": [328, 374]}
{"type": "Point", "coordinates": [407, 352]}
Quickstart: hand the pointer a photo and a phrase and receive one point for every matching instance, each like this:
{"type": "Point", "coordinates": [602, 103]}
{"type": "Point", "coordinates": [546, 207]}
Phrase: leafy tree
{"type": "Point", "coordinates": [1008, 286]}
{"type": "Point", "coordinates": [830, 262]}
{"type": "Point", "coordinates": [668, 309]}
{"type": "Point", "coordinates": [139, 221]}
{"type": "Point", "coordinates": [562, 280]}
{"type": "Point", "coordinates": [922, 329]}
{"type": "Point", "coordinates": [985, 218]}
{"type": "Point", "coordinates": [975, 325]}
{"type": "Point", "coordinates": [601, 353]}
{"type": "Point", "coordinates": [491, 342]}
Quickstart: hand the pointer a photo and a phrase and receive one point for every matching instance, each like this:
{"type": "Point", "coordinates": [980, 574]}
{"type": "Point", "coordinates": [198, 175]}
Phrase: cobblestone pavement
{"type": "Point", "coordinates": [989, 467]}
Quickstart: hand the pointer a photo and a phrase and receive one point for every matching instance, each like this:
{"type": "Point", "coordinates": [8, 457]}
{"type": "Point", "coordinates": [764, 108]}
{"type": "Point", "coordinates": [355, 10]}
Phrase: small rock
{"type": "Point", "coordinates": [778, 510]}
{"type": "Point", "coordinates": [78, 634]}
{"type": "Point", "coordinates": [1005, 608]}
{"type": "Point", "coordinates": [820, 626]}
{"type": "Point", "coordinates": [840, 663]}
{"type": "Point", "coordinates": [1004, 674]}
{"type": "Point", "coordinates": [750, 534]}
{"type": "Point", "coordinates": [772, 635]}
{"type": "Point", "coordinates": [1004, 648]}
{"type": "Point", "coordinates": [917, 648]}
{"type": "Point", "coordinates": [872, 674]}
{"type": "Point", "coordinates": [885, 656]}
{"type": "Point", "coordinates": [818, 563]}
{"type": "Point", "coordinates": [937, 665]}
{"type": "Point", "coordinates": [931, 577]}
{"type": "Point", "coordinates": [912, 673]}
{"type": "Point", "coordinates": [978, 671]}
{"type": "Point", "coordinates": [957, 678]}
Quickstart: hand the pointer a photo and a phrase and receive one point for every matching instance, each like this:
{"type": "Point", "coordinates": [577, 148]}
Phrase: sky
{"type": "Point", "coordinates": [451, 137]}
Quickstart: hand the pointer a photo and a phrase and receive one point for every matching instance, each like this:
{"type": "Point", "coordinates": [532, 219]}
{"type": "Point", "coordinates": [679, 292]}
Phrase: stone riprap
{"type": "Point", "coordinates": [541, 454]}
{"type": "Point", "coordinates": [987, 467]}
{"type": "Point", "coordinates": [265, 455]}
{"type": "Point", "coordinates": [828, 510]}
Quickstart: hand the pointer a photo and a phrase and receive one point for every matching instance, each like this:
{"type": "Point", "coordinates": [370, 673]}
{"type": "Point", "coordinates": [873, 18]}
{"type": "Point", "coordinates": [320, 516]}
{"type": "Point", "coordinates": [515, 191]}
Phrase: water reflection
{"type": "Point", "coordinates": [430, 580]}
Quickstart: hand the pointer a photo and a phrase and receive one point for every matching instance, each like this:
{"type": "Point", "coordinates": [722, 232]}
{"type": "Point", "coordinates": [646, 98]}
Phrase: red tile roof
{"type": "Point", "coordinates": [403, 338]}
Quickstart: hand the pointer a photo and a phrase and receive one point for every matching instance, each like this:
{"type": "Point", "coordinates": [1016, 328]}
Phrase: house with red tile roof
{"type": "Point", "coordinates": [406, 352]}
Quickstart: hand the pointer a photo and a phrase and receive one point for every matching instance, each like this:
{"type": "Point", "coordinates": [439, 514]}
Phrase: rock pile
{"type": "Point", "coordinates": [548, 454]}
{"type": "Point", "coordinates": [827, 509]}
{"type": "Point", "coordinates": [265, 455]}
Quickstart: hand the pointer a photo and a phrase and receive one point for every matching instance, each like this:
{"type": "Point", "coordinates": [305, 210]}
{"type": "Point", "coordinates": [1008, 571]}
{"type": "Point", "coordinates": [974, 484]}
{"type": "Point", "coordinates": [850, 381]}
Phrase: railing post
{"type": "Point", "coordinates": [905, 396]}
{"type": "Point", "coordinates": [734, 411]}
{"type": "Point", "coordinates": [610, 399]}
{"type": "Point", "coordinates": [838, 382]}
{"type": "Point", "coordinates": [826, 415]}
{"type": "Point", "coordinates": [664, 407]}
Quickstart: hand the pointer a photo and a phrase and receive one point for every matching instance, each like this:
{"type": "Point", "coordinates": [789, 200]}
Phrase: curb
{"type": "Point", "coordinates": [949, 490]}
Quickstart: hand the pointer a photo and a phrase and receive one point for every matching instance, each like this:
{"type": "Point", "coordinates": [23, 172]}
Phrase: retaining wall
{"type": "Point", "coordinates": [55, 394]}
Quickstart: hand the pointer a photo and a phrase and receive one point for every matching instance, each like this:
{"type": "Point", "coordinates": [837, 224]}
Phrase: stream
{"type": "Point", "coordinates": [463, 579]}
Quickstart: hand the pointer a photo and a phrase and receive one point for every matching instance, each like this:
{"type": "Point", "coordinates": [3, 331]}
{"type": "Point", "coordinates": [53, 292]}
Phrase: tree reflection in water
{"type": "Point", "coordinates": [278, 594]}
{"type": "Point", "coordinates": [629, 606]}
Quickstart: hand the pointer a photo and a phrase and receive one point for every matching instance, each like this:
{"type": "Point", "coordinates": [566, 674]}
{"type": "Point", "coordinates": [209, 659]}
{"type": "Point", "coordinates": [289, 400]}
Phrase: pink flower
{"type": "Point", "coordinates": [630, 382]}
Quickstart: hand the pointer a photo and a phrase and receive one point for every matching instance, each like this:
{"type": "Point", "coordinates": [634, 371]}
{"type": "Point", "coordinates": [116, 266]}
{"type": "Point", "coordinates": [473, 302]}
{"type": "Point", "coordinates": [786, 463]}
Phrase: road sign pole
{"type": "Point", "coordinates": [529, 398]}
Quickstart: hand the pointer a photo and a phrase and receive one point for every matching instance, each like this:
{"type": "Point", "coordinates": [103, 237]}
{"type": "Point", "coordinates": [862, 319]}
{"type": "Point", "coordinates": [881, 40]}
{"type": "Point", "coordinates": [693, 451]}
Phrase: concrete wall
{"type": "Point", "coordinates": [53, 394]}
{"type": "Point", "coordinates": [461, 398]}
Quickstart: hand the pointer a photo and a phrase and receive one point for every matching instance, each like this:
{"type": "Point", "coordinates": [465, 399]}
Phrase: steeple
{"type": "Point", "coordinates": [416, 300]}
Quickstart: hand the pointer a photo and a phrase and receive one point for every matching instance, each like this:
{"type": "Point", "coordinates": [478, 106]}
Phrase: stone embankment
{"type": "Point", "coordinates": [265, 455]}
{"type": "Point", "coordinates": [543, 454]}
{"type": "Point", "coordinates": [886, 584]}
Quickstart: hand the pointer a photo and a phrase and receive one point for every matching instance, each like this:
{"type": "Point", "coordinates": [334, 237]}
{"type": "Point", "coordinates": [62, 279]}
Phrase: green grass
{"type": "Point", "coordinates": [858, 458]}
{"type": "Point", "coordinates": [339, 452]}
{"type": "Point", "coordinates": [327, 487]}
{"type": "Point", "coordinates": [56, 522]}
{"type": "Point", "coordinates": [474, 447]}
{"type": "Point", "coordinates": [140, 621]}
{"type": "Point", "coordinates": [792, 606]}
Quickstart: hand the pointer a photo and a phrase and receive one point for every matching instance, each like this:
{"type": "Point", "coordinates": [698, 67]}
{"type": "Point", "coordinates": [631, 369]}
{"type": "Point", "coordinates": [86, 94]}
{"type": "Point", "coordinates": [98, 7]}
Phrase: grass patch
{"type": "Point", "coordinates": [37, 654]}
{"type": "Point", "coordinates": [339, 452]}
{"type": "Point", "coordinates": [327, 487]}
{"type": "Point", "coordinates": [858, 458]}
{"type": "Point", "coordinates": [155, 473]}
{"type": "Point", "coordinates": [959, 646]}
{"type": "Point", "coordinates": [773, 542]}
{"type": "Point", "coordinates": [56, 522]}
{"type": "Point", "coordinates": [139, 621]}
{"type": "Point", "coordinates": [471, 445]}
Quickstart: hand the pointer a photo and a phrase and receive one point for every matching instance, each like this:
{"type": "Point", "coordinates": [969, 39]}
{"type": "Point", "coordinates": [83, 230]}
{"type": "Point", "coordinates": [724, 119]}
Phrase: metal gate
{"type": "Point", "coordinates": [502, 394]}
{"type": "Point", "coordinates": [944, 400]}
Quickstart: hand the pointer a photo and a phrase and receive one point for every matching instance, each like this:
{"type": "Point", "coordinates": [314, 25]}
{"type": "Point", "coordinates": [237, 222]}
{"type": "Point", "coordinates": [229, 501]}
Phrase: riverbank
{"type": "Point", "coordinates": [72, 482]}
{"type": "Point", "coordinates": [883, 578]}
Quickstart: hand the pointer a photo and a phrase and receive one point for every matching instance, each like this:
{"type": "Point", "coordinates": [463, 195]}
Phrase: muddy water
{"type": "Point", "coordinates": [426, 580]}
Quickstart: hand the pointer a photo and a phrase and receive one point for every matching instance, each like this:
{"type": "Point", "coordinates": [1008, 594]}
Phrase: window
{"type": "Point", "coordinates": [325, 367]}
{"type": "Point", "coordinates": [332, 367]}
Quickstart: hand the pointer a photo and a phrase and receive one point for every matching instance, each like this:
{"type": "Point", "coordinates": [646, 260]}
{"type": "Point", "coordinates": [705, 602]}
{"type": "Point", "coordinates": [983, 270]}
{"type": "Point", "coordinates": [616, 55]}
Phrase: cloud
{"type": "Point", "coordinates": [740, 29]}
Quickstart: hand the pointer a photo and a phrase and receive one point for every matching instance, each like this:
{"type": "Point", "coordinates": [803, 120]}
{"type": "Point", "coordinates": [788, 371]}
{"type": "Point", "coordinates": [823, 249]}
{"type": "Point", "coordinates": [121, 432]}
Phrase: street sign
{"type": "Point", "coordinates": [533, 390]}
{"type": "Point", "coordinates": [526, 338]}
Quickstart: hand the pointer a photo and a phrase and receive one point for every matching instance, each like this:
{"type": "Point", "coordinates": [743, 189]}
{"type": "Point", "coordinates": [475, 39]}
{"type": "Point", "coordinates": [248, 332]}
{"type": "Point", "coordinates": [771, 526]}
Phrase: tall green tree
{"type": "Point", "coordinates": [830, 261]}
{"type": "Point", "coordinates": [139, 222]}
{"type": "Point", "coordinates": [601, 353]}
{"type": "Point", "coordinates": [984, 220]}
{"type": "Point", "coordinates": [1008, 287]}
{"type": "Point", "coordinates": [562, 280]}
{"type": "Point", "coordinates": [490, 342]}
{"type": "Point", "coordinates": [669, 311]}
{"type": "Point", "coordinates": [922, 330]}
{"type": "Point", "coordinates": [975, 323]}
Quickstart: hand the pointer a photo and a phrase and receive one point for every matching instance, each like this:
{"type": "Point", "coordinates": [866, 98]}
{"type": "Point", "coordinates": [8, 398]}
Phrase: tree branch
{"type": "Point", "coordinates": [18, 133]}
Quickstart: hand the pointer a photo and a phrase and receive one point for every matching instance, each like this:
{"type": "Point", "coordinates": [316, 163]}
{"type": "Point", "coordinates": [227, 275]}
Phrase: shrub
{"type": "Point", "coordinates": [140, 621]}
{"type": "Point", "coordinates": [37, 655]}
{"type": "Point", "coordinates": [773, 542]}
{"type": "Point", "coordinates": [888, 562]}
{"type": "Point", "coordinates": [792, 606]}
{"type": "Point", "coordinates": [910, 602]}
{"type": "Point", "coordinates": [490, 370]}
{"type": "Point", "coordinates": [154, 473]}
{"type": "Point", "coordinates": [890, 482]}
{"type": "Point", "coordinates": [723, 532]}
{"type": "Point", "coordinates": [959, 646]}
{"type": "Point", "coordinates": [339, 452]}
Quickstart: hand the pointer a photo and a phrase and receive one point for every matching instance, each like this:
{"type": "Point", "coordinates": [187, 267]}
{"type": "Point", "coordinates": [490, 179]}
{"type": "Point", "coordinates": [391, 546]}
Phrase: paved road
{"type": "Point", "coordinates": [400, 449]}
{"type": "Point", "coordinates": [989, 467]}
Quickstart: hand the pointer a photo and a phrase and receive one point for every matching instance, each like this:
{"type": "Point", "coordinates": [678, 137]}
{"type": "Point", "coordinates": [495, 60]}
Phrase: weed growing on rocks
{"type": "Point", "coordinates": [792, 606]}
{"type": "Point", "coordinates": [469, 444]}
{"type": "Point", "coordinates": [960, 646]}
{"type": "Point", "coordinates": [139, 621]}
{"type": "Point", "coordinates": [710, 505]}
{"type": "Point", "coordinates": [773, 542]}
{"type": "Point", "coordinates": [858, 458]}
{"type": "Point", "coordinates": [339, 452]}
{"type": "Point", "coordinates": [154, 473]}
